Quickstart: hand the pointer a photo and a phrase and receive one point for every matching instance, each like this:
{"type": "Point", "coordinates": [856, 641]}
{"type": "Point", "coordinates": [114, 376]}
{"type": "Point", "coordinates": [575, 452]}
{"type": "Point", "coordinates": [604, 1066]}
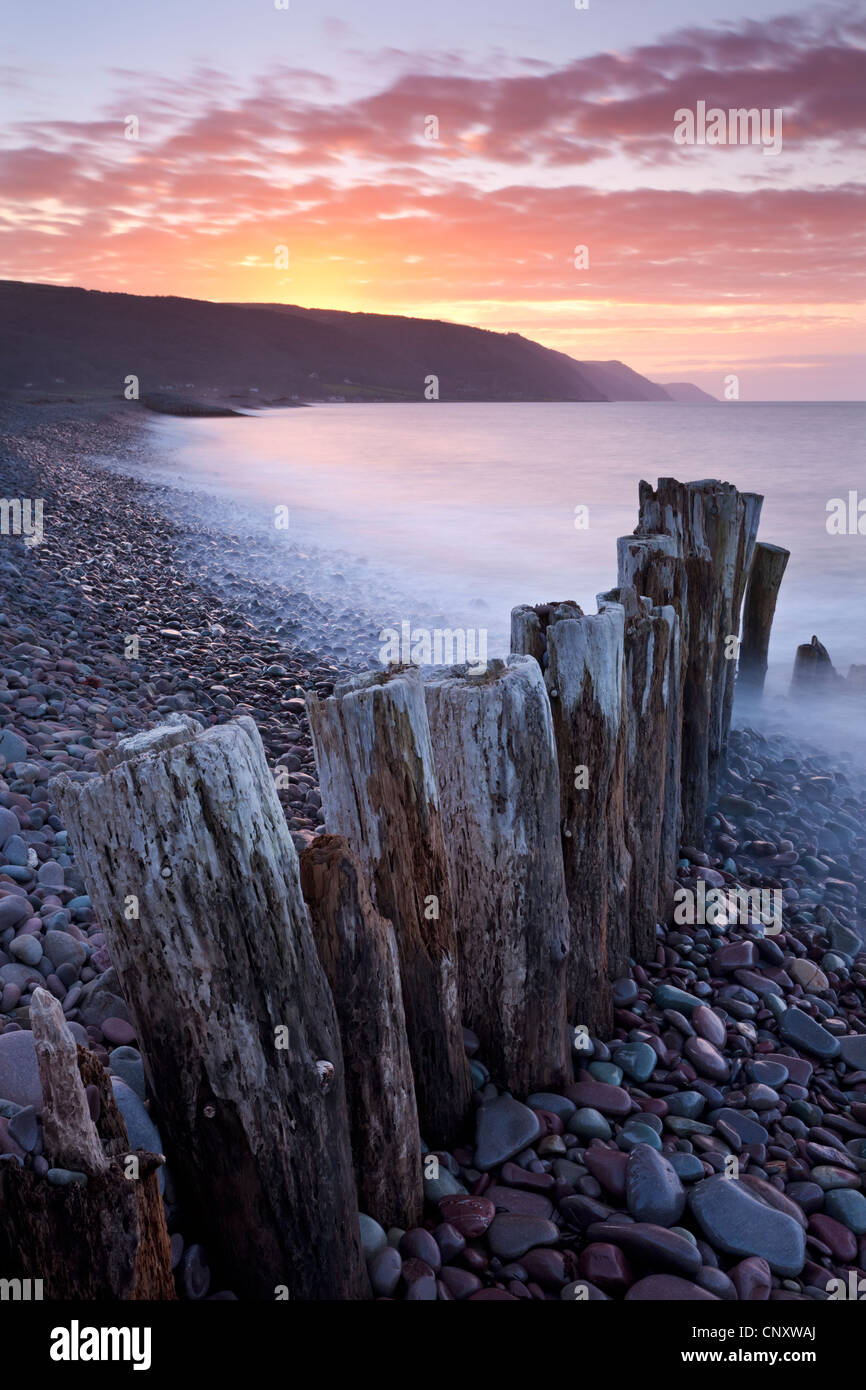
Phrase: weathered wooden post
{"type": "Point", "coordinates": [715, 527]}
{"type": "Point", "coordinates": [814, 672]}
{"type": "Point", "coordinates": [495, 760]}
{"type": "Point", "coordinates": [193, 874]}
{"type": "Point", "coordinates": [103, 1237]}
{"type": "Point", "coordinates": [582, 657]}
{"type": "Point", "coordinates": [765, 577]}
{"type": "Point", "coordinates": [358, 949]}
{"type": "Point", "coordinates": [652, 566]}
{"type": "Point", "coordinates": [378, 787]}
{"type": "Point", "coordinates": [648, 632]}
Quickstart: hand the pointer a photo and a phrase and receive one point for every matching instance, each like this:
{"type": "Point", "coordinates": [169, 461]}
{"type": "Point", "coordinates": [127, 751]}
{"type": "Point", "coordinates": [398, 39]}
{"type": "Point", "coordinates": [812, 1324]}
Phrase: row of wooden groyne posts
{"type": "Point", "coordinates": [499, 845]}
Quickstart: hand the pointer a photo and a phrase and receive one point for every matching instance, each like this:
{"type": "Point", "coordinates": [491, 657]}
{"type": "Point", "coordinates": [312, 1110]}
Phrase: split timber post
{"type": "Point", "coordinates": [237, 1026]}
{"type": "Point", "coordinates": [652, 566]}
{"type": "Point", "coordinates": [358, 949]}
{"type": "Point", "coordinates": [715, 527]}
{"type": "Point", "coordinates": [495, 760]}
{"type": "Point", "coordinates": [379, 791]}
{"type": "Point", "coordinates": [582, 658]}
{"type": "Point", "coordinates": [648, 634]}
{"type": "Point", "coordinates": [762, 591]}
{"type": "Point", "coordinates": [103, 1239]}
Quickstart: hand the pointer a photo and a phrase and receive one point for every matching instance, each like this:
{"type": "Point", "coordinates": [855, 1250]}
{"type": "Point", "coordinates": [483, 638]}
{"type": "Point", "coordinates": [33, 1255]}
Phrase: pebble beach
{"type": "Point", "coordinates": [712, 1148]}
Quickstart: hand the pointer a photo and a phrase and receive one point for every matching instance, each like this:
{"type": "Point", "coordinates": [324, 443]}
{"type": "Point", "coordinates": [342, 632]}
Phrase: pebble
{"type": "Point", "coordinates": [654, 1192]}
{"type": "Point", "coordinates": [734, 1220]}
{"type": "Point", "coordinates": [503, 1128]}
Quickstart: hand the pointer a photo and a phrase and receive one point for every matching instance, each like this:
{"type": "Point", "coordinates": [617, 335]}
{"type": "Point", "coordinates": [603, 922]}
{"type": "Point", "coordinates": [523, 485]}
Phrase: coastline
{"type": "Point", "coordinates": [789, 819]}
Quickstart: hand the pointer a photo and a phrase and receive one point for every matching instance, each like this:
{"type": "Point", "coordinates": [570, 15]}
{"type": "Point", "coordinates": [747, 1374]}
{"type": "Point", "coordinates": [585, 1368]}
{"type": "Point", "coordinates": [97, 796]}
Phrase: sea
{"type": "Point", "coordinates": [470, 509]}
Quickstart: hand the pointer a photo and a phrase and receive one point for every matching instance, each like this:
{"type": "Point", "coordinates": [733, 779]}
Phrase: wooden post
{"type": "Point", "coordinates": [765, 578]}
{"type": "Point", "coordinates": [378, 787]}
{"type": "Point", "coordinates": [715, 527]}
{"type": "Point", "coordinates": [584, 675]}
{"type": "Point", "coordinates": [358, 949]}
{"type": "Point", "coordinates": [648, 632]}
{"type": "Point", "coordinates": [188, 859]}
{"type": "Point", "coordinates": [814, 672]}
{"type": "Point", "coordinates": [105, 1238]}
{"type": "Point", "coordinates": [652, 566]}
{"type": "Point", "coordinates": [495, 759]}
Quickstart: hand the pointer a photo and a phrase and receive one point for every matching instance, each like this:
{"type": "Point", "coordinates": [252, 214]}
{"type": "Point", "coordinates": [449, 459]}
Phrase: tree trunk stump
{"type": "Point", "coordinates": [652, 566]}
{"type": "Point", "coordinates": [495, 760]}
{"type": "Point", "coordinates": [358, 949]}
{"type": "Point", "coordinates": [378, 787]}
{"type": "Point", "coordinates": [648, 633]}
{"type": "Point", "coordinates": [715, 527]}
{"type": "Point", "coordinates": [583, 662]}
{"type": "Point", "coordinates": [103, 1240]}
{"type": "Point", "coordinates": [194, 877]}
{"type": "Point", "coordinates": [762, 591]}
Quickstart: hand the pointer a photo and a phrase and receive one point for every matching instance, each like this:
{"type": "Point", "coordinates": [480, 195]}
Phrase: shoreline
{"type": "Point", "coordinates": [703, 1013]}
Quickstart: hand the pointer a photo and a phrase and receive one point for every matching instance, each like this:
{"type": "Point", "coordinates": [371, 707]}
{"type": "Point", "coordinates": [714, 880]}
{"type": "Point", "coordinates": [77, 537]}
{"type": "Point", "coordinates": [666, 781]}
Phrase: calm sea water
{"type": "Point", "coordinates": [470, 509]}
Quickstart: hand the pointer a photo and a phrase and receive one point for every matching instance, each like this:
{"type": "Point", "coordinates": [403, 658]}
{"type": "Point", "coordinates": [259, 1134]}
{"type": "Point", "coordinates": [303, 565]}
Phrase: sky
{"type": "Point", "coordinates": [284, 155]}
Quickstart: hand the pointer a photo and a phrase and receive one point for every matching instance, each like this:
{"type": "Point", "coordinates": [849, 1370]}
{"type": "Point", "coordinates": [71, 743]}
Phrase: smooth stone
{"type": "Point", "coordinates": [669, 997]}
{"type": "Point", "coordinates": [460, 1283]}
{"type": "Point", "coordinates": [418, 1244]}
{"type": "Point", "coordinates": [118, 1032]}
{"type": "Point", "coordinates": [588, 1124]}
{"type": "Point", "coordinates": [66, 1177]}
{"type": "Point", "coordinates": [608, 1167]}
{"type": "Point", "coordinates": [503, 1128]}
{"type": "Point", "coordinates": [839, 1239]}
{"type": "Point", "coordinates": [143, 1133]}
{"type": "Point", "coordinates": [706, 1060]}
{"type": "Point", "coordinates": [127, 1063]}
{"type": "Point", "coordinates": [13, 910]}
{"type": "Point", "coordinates": [518, 1202]}
{"type": "Point", "coordinates": [650, 1245]}
{"type": "Point", "coordinates": [63, 949]}
{"type": "Point", "coordinates": [637, 1133]}
{"type": "Point", "coordinates": [445, 1185]}
{"type": "Point", "coordinates": [373, 1236]}
{"type": "Point", "coordinates": [828, 1177]}
{"type": "Point", "coordinates": [852, 1050]}
{"type": "Point", "coordinates": [708, 1025]}
{"type": "Point", "coordinates": [9, 825]}
{"type": "Point", "coordinates": [753, 1280]}
{"type": "Point", "coordinates": [605, 1266]}
{"type": "Point", "coordinates": [748, 1130]}
{"type": "Point", "coordinates": [554, 1104]}
{"type": "Point", "coordinates": [654, 1192]}
{"type": "Point", "coordinates": [510, 1236]}
{"type": "Point", "coordinates": [637, 1060]}
{"type": "Point", "coordinates": [800, 1030]}
{"type": "Point", "coordinates": [767, 1073]}
{"type": "Point", "coordinates": [471, 1216]}
{"type": "Point", "coordinates": [19, 1070]}
{"type": "Point", "coordinates": [24, 1129]}
{"type": "Point", "coordinates": [809, 975]}
{"type": "Point", "coordinates": [733, 1219]}
{"type": "Point", "coordinates": [625, 992]}
{"type": "Point", "coordinates": [689, 1104]}
{"type": "Point", "coordinates": [668, 1288]}
{"type": "Point", "coordinates": [605, 1071]}
{"type": "Point", "coordinates": [26, 949]}
{"type": "Point", "coordinates": [845, 1206]}
{"type": "Point", "coordinates": [688, 1167]}
{"type": "Point", "coordinates": [13, 749]}
{"type": "Point", "coordinates": [610, 1100]}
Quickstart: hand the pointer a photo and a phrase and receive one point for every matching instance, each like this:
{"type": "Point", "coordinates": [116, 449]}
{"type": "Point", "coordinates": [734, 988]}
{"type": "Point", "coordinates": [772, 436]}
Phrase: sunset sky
{"type": "Point", "coordinates": [261, 127]}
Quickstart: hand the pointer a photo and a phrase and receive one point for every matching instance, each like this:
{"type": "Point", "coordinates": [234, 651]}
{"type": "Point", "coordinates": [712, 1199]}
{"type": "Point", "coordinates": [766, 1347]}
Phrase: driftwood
{"type": "Point", "coordinates": [105, 1239]}
{"type": "Point", "coordinates": [496, 767]}
{"type": "Point", "coordinates": [765, 577]}
{"type": "Point", "coordinates": [648, 634]}
{"type": "Point", "coordinates": [582, 659]}
{"type": "Point", "coordinates": [378, 787]}
{"type": "Point", "coordinates": [652, 566]}
{"type": "Point", "coordinates": [715, 527]}
{"type": "Point", "coordinates": [358, 949]}
{"type": "Point", "coordinates": [192, 871]}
